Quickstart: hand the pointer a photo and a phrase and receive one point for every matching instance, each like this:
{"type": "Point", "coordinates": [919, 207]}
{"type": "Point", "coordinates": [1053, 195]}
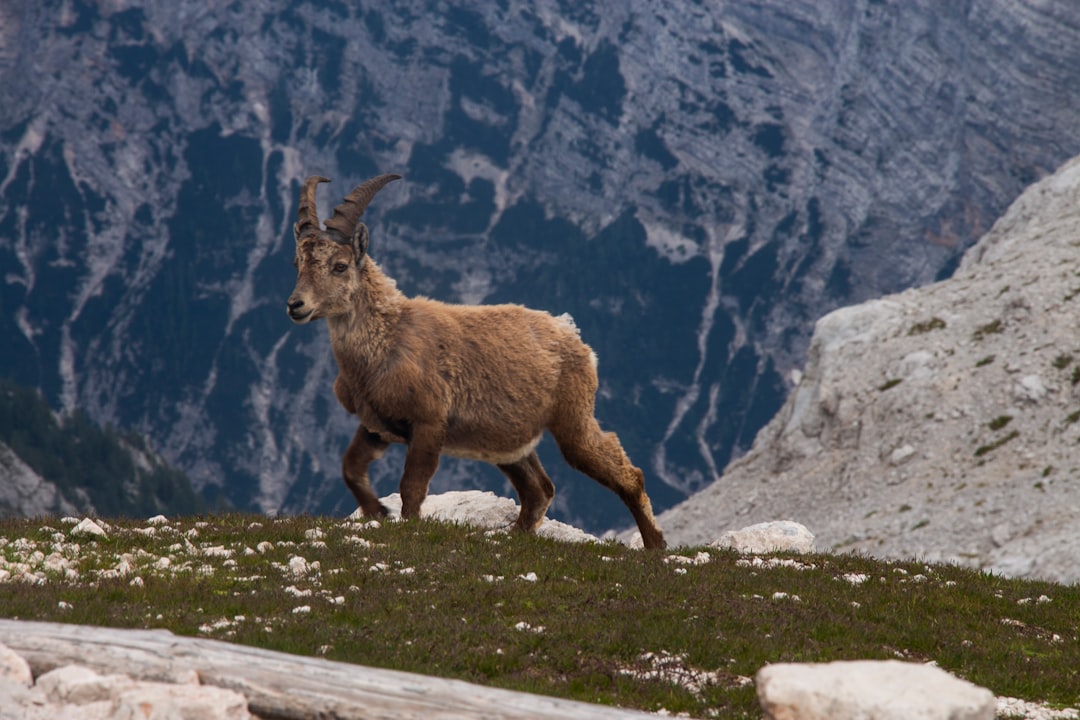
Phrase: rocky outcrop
{"type": "Point", "coordinates": [25, 493]}
{"type": "Point", "coordinates": [940, 423]}
{"type": "Point", "coordinates": [90, 673]}
{"type": "Point", "coordinates": [79, 693]}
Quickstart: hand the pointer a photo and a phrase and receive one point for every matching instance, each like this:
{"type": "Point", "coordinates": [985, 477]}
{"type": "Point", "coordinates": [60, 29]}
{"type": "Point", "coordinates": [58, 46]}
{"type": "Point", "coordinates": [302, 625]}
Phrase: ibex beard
{"type": "Point", "coordinates": [475, 381]}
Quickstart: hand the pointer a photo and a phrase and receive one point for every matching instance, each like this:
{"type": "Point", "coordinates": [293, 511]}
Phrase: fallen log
{"type": "Point", "coordinates": [279, 685]}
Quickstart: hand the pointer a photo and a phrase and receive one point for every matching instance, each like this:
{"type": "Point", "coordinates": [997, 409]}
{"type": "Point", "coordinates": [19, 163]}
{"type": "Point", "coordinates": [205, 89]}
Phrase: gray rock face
{"type": "Point", "coordinates": [696, 185]}
{"type": "Point", "coordinates": [939, 423]}
{"type": "Point", "coordinates": [25, 493]}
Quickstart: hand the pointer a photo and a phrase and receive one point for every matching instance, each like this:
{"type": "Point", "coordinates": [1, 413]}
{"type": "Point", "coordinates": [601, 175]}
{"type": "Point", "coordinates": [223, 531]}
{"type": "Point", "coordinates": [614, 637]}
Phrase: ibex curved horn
{"type": "Point", "coordinates": [307, 215]}
{"type": "Point", "coordinates": [348, 213]}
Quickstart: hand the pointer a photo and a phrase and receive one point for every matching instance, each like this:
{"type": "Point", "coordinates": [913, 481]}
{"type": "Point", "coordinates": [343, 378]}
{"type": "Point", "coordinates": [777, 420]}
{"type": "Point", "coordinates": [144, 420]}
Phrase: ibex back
{"type": "Point", "coordinates": [480, 382]}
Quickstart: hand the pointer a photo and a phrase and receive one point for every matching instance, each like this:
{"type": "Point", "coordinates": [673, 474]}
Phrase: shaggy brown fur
{"type": "Point", "coordinates": [480, 382]}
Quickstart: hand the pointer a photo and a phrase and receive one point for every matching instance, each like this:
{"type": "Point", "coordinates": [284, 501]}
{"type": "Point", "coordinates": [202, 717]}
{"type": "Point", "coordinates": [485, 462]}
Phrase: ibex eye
{"type": "Point", "coordinates": [339, 268]}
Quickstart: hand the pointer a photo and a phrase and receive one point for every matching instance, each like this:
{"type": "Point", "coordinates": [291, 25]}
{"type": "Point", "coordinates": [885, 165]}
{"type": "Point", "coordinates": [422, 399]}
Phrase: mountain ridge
{"type": "Point", "coordinates": [694, 185]}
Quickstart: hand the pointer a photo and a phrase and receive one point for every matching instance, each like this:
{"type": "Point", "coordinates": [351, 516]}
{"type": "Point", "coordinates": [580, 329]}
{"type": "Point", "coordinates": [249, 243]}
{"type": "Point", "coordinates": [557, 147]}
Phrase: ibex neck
{"type": "Point", "coordinates": [362, 334]}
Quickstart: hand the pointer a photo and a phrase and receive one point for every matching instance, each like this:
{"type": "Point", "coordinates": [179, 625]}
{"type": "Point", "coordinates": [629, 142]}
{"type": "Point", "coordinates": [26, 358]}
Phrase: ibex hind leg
{"type": "Point", "coordinates": [365, 448]}
{"type": "Point", "coordinates": [600, 456]}
{"type": "Point", "coordinates": [534, 488]}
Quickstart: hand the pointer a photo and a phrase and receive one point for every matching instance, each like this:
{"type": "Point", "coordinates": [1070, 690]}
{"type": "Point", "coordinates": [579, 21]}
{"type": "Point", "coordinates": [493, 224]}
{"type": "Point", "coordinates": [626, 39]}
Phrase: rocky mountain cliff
{"type": "Point", "coordinates": [695, 184]}
{"type": "Point", "coordinates": [941, 422]}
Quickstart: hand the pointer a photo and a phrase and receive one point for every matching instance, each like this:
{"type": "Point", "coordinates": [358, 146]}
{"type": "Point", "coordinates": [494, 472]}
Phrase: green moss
{"type": "Point", "coordinates": [990, 328]}
{"type": "Point", "coordinates": [984, 449]}
{"type": "Point", "coordinates": [934, 323]}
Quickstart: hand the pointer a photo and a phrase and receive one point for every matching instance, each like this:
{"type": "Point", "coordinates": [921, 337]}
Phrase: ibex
{"type": "Point", "coordinates": [472, 381]}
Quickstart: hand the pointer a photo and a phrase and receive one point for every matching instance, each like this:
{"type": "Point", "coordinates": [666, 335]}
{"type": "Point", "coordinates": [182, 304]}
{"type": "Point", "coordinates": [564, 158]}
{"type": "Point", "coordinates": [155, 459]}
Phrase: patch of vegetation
{"type": "Point", "coordinates": [991, 328]}
{"type": "Point", "coordinates": [984, 449]}
{"type": "Point", "coordinates": [79, 456]}
{"type": "Point", "coordinates": [1075, 375]}
{"type": "Point", "coordinates": [1062, 361]}
{"type": "Point", "coordinates": [583, 621]}
{"type": "Point", "coordinates": [890, 384]}
{"type": "Point", "coordinates": [934, 323]}
{"type": "Point", "coordinates": [999, 422]}
{"type": "Point", "coordinates": [1072, 417]}
{"type": "Point", "coordinates": [986, 360]}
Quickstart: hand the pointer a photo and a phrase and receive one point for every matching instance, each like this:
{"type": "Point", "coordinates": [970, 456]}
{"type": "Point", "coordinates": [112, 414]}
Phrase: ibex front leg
{"type": "Point", "coordinates": [364, 448]}
{"type": "Point", "coordinates": [421, 461]}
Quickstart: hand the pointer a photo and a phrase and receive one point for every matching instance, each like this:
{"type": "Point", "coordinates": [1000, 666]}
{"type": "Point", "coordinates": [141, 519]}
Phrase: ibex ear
{"type": "Point", "coordinates": [296, 232]}
{"type": "Point", "coordinates": [360, 242]}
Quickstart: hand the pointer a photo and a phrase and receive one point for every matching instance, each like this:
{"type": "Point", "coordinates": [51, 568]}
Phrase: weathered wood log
{"type": "Point", "coordinates": [279, 685]}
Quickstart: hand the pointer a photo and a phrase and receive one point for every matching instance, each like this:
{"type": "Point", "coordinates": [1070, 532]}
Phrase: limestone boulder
{"type": "Point", "coordinates": [883, 690]}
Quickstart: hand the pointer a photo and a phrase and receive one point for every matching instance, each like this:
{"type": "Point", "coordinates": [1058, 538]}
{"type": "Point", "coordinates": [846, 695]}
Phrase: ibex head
{"type": "Point", "coordinates": [328, 261]}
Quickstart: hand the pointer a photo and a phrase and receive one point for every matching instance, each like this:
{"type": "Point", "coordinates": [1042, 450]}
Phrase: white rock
{"type": "Point", "coordinates": [160, 701]}
{"type": "Point", "coordinates": [776, 536]}
{"type": "Point", "coordinates": [481, 509]}
{"type": "Point", "coordinates": [89, 528]}
{"type": "Point", "coordinates": [1008, 707]}
{"type": "Point", "coordinates": [298, 566]}
{"type": "Point", "coordinates": [78, 685]}
{"type": "Point", "coordinates": [888, 690]}
{"type": "Point", "coordinates": [1030, 388]}
{"type": "Point", "coordinates": [79, 692]}
{"type": "Point", "coordinates": [14, 668]}
{"type": "Point", "coordinates": [901, 455]}
{"type": "Point", "coordinates": [17, 702]}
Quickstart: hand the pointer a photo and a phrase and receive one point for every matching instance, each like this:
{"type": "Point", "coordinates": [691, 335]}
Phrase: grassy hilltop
{"type": "Point", "coordinates": [682, 631]}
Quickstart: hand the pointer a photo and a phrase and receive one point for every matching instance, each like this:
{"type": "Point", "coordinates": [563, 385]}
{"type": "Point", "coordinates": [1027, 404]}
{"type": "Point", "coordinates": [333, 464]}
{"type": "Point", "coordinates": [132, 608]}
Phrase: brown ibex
{"type": "Point", "coordinates": [479, 382]}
